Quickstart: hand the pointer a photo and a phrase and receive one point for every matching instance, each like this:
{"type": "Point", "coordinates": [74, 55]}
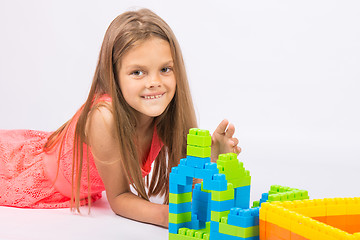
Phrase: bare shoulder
{"type": "Point", "coordinates": [100, 133]}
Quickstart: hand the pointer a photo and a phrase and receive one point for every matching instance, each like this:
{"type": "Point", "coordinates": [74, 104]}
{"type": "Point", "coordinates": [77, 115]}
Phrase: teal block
{"type": "Point", "coordinates": [179, 207]}
{"type": "Point", "coordinates": [242, 197]}
{"type": "Point", "coordinates": [197, 162]}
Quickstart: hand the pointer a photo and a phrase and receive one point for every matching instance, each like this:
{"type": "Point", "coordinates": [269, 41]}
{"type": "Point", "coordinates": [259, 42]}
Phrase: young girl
{"type": "Point", "coordinates": [139, 111]}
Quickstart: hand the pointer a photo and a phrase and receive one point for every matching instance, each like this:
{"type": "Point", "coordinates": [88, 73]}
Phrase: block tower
{"type": "Point", "coordinates": [218, 208]}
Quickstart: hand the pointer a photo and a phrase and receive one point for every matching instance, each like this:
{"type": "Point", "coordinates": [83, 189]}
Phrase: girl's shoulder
{"type": "Point", "coordinates": [100, 118]}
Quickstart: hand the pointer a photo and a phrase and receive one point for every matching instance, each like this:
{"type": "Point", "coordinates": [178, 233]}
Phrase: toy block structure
{"type": "Point", "coordinates": [321, 219]}
{"type": "Point", "coordinates": [217, 208]}
{"type": "Point", "coordinates": [214, 208]}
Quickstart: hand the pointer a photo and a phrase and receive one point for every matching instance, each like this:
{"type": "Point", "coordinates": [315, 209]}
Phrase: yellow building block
{"type": "Point", "coordinates": [278, 215]}
{"type": "Point", "coordinates": [335, 206]}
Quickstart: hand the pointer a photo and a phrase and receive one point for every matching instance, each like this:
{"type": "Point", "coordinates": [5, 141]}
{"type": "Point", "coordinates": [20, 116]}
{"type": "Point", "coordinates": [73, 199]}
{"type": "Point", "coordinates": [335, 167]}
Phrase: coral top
{"type": "Point", "coordinates": [27, 173]}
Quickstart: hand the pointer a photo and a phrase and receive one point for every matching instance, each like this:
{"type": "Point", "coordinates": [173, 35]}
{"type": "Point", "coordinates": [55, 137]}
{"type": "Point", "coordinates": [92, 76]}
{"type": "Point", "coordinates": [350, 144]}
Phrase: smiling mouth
{"type": "Point", "coordinates": [154, 96]}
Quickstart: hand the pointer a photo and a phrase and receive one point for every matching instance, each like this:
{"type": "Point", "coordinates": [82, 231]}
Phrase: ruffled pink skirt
{"type": "Point", "coordinates": [23, 181]}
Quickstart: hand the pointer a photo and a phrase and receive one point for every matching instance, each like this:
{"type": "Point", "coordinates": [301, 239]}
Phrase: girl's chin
{"type": "Point", "coordinates": [154, 113]}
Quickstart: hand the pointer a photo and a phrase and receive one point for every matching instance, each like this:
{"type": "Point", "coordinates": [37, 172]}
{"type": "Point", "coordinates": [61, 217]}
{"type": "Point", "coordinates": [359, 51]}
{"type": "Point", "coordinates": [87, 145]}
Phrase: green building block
{"type": "Point", "coordinates": [223, 195]}
{"type": "Point", "coordinates": [180, 198]}
{"type": "Point", "coordinates": [180, 217]}
{"type": "Point", "coordinates": [241, 182]}
{"type": "Point", "coordinates": [199, 137]}
{"type": "Point", "coordinates": [217, 216]}
{"type": "Point", "coordinates": [238, 231]}
{"type": "Point", "coordinates": [190, 234]}
{"type": "Point", "coordinates": [256, 204]}
{"type": "Point", "coordinates": [234, 170]}
{"type": "Point", "coordinates": [279, 189]}
{"type": "Point", "coordinates": [202, 152]}
{"type": "Point", "coordinates": [282, 193]}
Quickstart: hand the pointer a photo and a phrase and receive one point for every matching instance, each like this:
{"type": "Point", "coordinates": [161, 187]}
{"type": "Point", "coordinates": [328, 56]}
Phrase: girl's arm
{"type": "Point", "coordinates": [222, 140]}
{"type": "Point", "coordinates": [100, 136]}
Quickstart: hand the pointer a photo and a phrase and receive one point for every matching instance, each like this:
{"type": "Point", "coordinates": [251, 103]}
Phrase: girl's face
{"type": "Point", "coordinates": [146, 76]}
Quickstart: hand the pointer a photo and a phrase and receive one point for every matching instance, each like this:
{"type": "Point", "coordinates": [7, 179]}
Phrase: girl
{"type": "Point", "coordinates": [139, 111]}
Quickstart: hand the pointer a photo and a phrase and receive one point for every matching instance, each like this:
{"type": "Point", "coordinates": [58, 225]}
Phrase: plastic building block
{"type": "Point", "coordinates": [220, 206]}
{"type": "Point", "coordinates": [202, 152]}
{"type": "Point", "coordinates": [242, 197]}
{"type": "Point", "coordinates": [217, 183]}
{"type": "Point", "coordinates": [174, 228]}
{"type": "Point", "coordinates": [197, 162]}
{"type": "Point", "coordinates": [176, 188]}
{"type": "Point", "coordinates": [201, 195]}
{"type": "Point", "coordinates": [206, 173]}
{"type": "Point", "coordinates": [238, 231]}
{"type": "Point", "coordinates": [180, 198]}
{"type": "Point", "coordinates": [198, 137]}
{"type": "Point", "coordinates": [186, 171]}
{"type": "Point", "coordinates": [279, 218]}
{"type": "Point", "coordinates": [216, 216]}
{"type": "Point", "coordinates": [244, 217]}
{"type": "Point", "coordinates": [179, 217]}
{"type": "Point", "coordinates": [176, 178]}
{"type": "Point", "coordinates": [223, 195]}
{"type": "Point", "coordinates": [180, 207]}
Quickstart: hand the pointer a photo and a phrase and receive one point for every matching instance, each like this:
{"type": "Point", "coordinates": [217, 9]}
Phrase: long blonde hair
{"type": "Point", "coordinates": [172, 126]}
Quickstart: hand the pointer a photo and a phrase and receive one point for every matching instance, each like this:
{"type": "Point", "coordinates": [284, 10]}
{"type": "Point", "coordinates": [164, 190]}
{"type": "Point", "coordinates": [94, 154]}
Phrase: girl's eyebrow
{"type": "Point", "coordinates": [168, 62]}
{"type": "Point", "coordinates": [131, 66]}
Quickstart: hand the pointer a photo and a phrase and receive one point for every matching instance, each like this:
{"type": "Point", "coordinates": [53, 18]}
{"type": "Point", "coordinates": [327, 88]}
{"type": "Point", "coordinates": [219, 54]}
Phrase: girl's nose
{"type": "Point", "coordinates": [154, 81]}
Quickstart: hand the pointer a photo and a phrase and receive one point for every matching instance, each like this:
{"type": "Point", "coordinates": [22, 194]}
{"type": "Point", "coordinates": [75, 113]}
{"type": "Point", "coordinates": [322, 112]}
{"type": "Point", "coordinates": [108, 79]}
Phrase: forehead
{"type": "Point", "coordinates": [148, 52]}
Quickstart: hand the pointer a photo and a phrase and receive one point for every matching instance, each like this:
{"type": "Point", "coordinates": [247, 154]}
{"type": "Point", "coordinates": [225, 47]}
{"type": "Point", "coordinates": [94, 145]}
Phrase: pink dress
{"type": "Point", "coordinates": [27, 171]}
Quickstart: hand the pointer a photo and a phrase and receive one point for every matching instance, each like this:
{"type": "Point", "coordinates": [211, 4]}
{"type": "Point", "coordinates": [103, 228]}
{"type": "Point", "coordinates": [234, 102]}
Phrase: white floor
{"type": "Point", "coordinates": [102, 223]}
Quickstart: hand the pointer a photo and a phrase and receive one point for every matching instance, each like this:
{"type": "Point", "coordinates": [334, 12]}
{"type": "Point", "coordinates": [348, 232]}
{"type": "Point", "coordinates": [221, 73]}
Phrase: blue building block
{"type": "Point", "coordinates": [221, 206]}
{"type": "Point", "coordinates": [242, 197]}
{"type": "Point", "coordinates": [177, 189]}
{"type": "Point", "coordinates": [217, 183]}
{"type": "Point", "coordinates": [201, 203]}
{"type": "Point", "coordinates": [208, 172]}
{"type": "Point", "coordinates": [180, 207]}
{"type": "Point", "coordinates": [196, 223]}
{"type": "Point", "coordinates": [176, 178]}
{"type": "Point", "coordinates": [202, 210]}
{"type": "Point", "coordinates": [244, 217]}
{"type": "Point", "coordinates": [174, 228]}
{"type": "Point", "coordinates": [201, 195]}
{"type": "Point", "coordinates": [264, 198]}
{"type": "Point", "coordinates": [186, 171]}
{"type": "Point", "coordinates": [197, 162]}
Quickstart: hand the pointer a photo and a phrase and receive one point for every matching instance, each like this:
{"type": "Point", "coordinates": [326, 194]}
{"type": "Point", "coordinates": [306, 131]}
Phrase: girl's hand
{"type": "Point", "coordinates": [222, 140]}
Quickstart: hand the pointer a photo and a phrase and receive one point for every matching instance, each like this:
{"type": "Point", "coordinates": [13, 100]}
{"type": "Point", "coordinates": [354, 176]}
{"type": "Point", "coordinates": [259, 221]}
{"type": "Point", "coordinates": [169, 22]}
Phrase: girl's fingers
{"type": "Point", "coordinates": [235, 141]}
{"type": "Point", "coordinates": [222, 127]}
{"type": "Point", "coordinates": [230, 131]}
{"type": "Point", "coordinates": [237, 150]}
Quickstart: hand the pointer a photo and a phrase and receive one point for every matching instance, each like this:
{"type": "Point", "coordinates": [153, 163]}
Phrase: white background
{"type": "Point", "coordinates": [286, 73]}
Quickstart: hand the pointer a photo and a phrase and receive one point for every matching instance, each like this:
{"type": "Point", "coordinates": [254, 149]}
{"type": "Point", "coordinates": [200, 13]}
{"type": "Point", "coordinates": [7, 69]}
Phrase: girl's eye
{"type": "Point", "coordinates": [166, 69]}
{"type": "Point", "coordinates": [137, 73]}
